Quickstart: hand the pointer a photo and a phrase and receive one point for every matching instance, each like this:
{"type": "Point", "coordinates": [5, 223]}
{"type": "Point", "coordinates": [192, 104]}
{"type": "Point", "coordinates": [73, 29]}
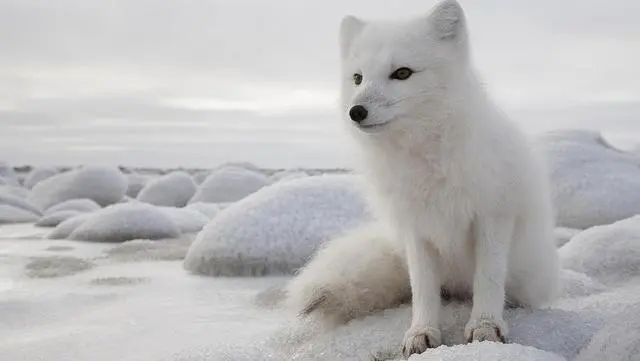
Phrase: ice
{"type": "Point", "coordinates": [592, 182]}
{"type": "Point", "coordinates": [105, 185]}
{"type": "Point", "coordinates": [229, 184]}
{"type": "Point", "coordinates": [187, 220]}
{"type": "Point", "coordinates": [172, 190]}
{"type": "Point", "coordinates": [275, 230]}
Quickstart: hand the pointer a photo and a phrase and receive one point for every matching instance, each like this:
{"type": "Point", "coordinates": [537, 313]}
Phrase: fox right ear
{"type": "Point", "coordinates": [350, 27]}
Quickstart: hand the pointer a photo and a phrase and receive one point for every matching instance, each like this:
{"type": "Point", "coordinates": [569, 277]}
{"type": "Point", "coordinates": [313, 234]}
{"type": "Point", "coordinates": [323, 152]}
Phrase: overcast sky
{"type": "Point", "coordinates": [197, 83]}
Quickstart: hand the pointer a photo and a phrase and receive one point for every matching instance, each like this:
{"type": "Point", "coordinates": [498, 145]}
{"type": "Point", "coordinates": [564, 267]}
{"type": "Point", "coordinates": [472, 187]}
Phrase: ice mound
{"type": "Point", "coordinates": [124, 222]}
{"type": "Point", "coordinates": [37, 175]}
{"type": "Point", "coordinates": [229, 184]}
{"type": "Point", "coordinates": [187, 220]}
{"type": "Point", "coordinates": [105, 185]}
{"type": "Point", "coordinates": [135, 183]}
{"type": "Point", "coordinates": [275, 230]}
{"type": "Point", "coordinates": [208, 209]}
{"type": "Point", "coordinates": [171, 190]}
{"type": "Point", "coordinates": [55, 218]}
{"type": "Point", "coordinates": [12, 214]}
{"type": "Point", "coordinates": [17, 202]}
{"type": "Point", "coordinates": [609, 254]}
{"type": "Point", "coordinates": [80, 205]}
{"type": "Point", "coordinates": [592, 182]}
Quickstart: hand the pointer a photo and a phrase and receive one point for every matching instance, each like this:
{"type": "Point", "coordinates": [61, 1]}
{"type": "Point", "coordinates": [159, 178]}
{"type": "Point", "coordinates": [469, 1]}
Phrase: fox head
{"type": "Point", "coordinates": [393, 73]}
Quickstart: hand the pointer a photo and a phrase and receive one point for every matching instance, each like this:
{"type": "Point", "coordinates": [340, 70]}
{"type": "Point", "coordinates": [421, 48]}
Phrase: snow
{"type": "Point", "coordinates": [105, 185]}
{"type": "Point", "coordinates": [275, 230]}
{"type": "Point", "coordinates": [288, 175]}
{"type": "Point", "coordinates": [80, 205]}
{"type": "Point", "coordinates": [564, 235]}
{"type": "Point", "coordinates": [17, 191]}
{"type": "Point", "coordinates": [65, 228]}
{"type": "Point", "coordinates": [187, 220]}
{"type": "Point", "coordinates": [609, 254]}
{"type": "Point", "coordinates": [8, 175]}
{"type": "Point", "coordinates": [229, 184]}
{"type": "Point", "coordinates": [17, 202]}
{"type": "Point", "coordinates": [172, 190]}
{"type": "Point", "coordinates": [12, 214]}
{"type": "Point", "coordinates": [124, 222]}
{"type": "Point", "coordinates": [37, 175]}
{"type": "Point", "coordinates": [52, 219]}
{"type": "Point", "coordinates": [135, 183]}
{"type": "Point", "coordinates": [592, 182]}
{"type": "Point", "coordinates": [208, 209]}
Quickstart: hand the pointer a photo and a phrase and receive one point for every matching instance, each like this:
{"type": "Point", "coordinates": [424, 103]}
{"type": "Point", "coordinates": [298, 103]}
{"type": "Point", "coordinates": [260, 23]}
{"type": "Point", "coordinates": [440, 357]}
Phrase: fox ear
{"type": "Point", "coordinates": [447, 20]}
{"type": "Point", "coordinates": [350, 27]}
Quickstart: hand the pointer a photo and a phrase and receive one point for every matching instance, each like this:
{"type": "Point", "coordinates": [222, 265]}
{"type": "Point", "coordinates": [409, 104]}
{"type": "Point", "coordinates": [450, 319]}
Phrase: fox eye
{"type": "Point", "coordinates": [401, 74]}
{"type": "Point", "coordinates": [357, 78]}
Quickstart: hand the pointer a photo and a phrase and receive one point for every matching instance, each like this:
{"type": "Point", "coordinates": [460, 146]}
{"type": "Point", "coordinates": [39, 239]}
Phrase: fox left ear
{"type": "Point", "coordinates": [350, 27]}
{"type": "Point", "coordinates": [447, 20]}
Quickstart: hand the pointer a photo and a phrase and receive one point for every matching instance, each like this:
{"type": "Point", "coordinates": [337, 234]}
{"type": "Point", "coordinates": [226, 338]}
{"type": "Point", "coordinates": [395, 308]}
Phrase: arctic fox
{"type": "Point", "coordinates": [462, 200]}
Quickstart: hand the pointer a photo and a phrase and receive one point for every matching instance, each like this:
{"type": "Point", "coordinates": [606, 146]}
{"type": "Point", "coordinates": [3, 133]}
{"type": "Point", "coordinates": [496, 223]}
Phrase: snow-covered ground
{"type": "Point", "coordinates": [192, 269]}
{"type": "Point", "coordinates": [71, 300]}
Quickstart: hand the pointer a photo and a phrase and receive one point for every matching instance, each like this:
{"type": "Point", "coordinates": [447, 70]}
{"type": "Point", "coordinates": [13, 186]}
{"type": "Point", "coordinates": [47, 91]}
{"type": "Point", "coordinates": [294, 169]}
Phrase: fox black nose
{"type": "Point", "coordinates": [358, 113]}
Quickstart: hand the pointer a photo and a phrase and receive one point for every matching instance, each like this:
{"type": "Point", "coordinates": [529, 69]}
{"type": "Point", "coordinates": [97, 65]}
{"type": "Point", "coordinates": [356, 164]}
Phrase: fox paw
{"type": "Point", "coordinates": [418, 340]}
{"type": "Point", "coordinates": [484, 329]}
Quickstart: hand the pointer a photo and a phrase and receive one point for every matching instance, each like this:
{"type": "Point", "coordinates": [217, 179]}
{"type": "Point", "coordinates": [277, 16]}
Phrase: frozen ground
{"type": "Point", "coordinates": [67, 300]}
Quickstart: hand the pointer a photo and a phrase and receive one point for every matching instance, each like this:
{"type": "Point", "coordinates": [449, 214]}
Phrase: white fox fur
{"type": "Point", "coordinates": [464, 197]}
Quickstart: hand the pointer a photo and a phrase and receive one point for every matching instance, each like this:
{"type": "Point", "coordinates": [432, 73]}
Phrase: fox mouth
{"type": "Point", "coordinates": [371, 128]}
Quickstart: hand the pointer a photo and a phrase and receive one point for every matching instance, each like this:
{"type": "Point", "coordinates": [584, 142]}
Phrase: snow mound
{"type": "Point", "coordinates": [229, 184]}
{"type": "Point", "coordinates": [10, 214]}
{"type": "Point", "coordinates": [19, 192]}
{"type": "Point", "coordinates": [576, 284]}
{"type": "Point", "coordinates": [487, 351]}
{"type": "Point", "coordinates": [105, 185]}
{"type": "Point", "coordinates": [38, 175]}
{"type": "Point", "coordinates": [208, 209]}
{"type": "Point", "coordinates": [55, 218]}
{"type": "Point", "coordinates": [81, 205]}
{"type": "Point", "coordinates": [135, 183]}
{"type": "Point", "coordinates": [17, 202]}
{"type": "Point", "coordinates": [618, 341]}
{"type": "Point", "coordinates": [64, 229]}
{"type": "Point", "coordinates": [171, 190]}
{"type": "Point", "coordinates": [125, 222]}
{"type": "Point", "coordinates": [275, 230]}
{"type": "Point", "coordinates": [199, 177]}
{"type": "Point", "coordinates": [288, 175]}
{"type": "Point", "coordinates": [564, 235]}
{"type": "Point", "coordinates": [8, 174]}
{"type": "Point", "coordinates": [187, 220]}
{"type": "Point", "coordinates": [552, 334]}
{"type": "Point", "coordinates": [592, 182]}
{"type": "Point", "coordinates": [609, 254]}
